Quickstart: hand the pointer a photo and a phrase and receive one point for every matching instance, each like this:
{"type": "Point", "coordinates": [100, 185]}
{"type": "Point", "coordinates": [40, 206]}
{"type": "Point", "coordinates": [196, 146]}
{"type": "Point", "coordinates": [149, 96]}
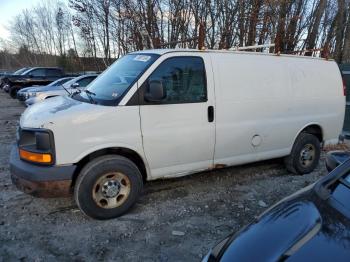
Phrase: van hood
{"type": "Point", "coordinates": [61, 109]}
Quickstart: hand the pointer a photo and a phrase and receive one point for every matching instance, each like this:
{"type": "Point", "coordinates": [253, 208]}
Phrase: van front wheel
{"type": "Point", "coordinates": [107, 187]}
{"type": "Point", "coordinates": [305, 154]}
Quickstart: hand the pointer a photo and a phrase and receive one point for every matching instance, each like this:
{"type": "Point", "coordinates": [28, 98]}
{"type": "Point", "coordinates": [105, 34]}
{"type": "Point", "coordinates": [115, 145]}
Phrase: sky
{"type": "Point", "coordinates": [9, 9]}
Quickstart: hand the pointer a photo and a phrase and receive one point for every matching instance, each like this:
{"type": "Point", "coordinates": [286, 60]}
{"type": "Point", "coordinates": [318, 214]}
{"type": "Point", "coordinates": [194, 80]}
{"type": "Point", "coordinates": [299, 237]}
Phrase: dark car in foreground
{"type": "Point", "coordinates": [311, 225]}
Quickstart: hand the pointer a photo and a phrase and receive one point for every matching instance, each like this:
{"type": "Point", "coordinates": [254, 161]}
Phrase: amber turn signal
{"type": "Point", "coordinates": [35, 157]}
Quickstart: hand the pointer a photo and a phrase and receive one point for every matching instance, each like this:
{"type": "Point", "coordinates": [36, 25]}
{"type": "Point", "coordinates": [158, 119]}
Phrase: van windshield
{"type": "Point", "coordinates": [113, 83]}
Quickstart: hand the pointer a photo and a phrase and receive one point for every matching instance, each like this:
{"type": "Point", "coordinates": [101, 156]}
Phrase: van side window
{"type": "Point", "coordinates": [183, 78]}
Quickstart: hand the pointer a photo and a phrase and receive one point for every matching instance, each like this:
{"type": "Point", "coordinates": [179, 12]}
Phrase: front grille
{"type": "Point", "coordinates": [22, 97]}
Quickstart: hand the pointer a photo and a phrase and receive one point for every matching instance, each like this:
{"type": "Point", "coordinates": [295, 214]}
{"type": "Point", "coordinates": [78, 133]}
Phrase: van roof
{"type": "Point", "coordinates": [173, 50]}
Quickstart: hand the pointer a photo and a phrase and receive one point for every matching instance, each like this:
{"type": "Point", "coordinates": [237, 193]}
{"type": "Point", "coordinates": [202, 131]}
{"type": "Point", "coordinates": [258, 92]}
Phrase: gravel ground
{"type": "Point", "coordinates": [174, 220]}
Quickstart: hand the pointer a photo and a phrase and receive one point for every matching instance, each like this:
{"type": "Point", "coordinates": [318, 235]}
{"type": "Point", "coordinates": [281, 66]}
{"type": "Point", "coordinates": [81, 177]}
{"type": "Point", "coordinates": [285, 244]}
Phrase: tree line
{"type": "Point", "coordinates": [104, 30]}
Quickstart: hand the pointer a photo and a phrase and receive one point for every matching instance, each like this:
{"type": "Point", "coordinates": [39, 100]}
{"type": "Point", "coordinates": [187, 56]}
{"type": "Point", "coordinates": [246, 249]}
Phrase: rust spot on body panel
{"type": "Point", "coordinates": [217, 166]}
{"type": "Point", "coordinates": [45, 189]}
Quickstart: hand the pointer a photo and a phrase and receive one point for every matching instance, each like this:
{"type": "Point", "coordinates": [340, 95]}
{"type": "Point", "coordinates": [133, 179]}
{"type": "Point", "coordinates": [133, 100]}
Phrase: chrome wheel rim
{"type": "Point", "coordinates": [307, 155]}
{"type": "Point", "coordinates": [111, 190]}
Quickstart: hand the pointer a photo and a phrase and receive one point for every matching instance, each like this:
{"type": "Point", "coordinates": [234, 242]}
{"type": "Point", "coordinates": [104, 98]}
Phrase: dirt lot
{"type": "Point", "coordinates": [203, 208]}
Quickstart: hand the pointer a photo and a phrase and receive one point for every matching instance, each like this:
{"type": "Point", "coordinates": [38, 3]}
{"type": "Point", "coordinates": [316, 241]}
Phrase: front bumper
{"type": "Point", "coordinates": [40, 181]}
{"type": "Point", "coordinates": [22, 96]}
{"type": "Point", "coordinates": [32, 100]}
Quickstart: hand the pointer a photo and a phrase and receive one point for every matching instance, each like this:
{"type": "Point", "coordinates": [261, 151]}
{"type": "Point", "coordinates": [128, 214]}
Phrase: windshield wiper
{"type": "Point", "coordinates": [90, 94]}
{"type": "Point", "coordinates": [66, 90]}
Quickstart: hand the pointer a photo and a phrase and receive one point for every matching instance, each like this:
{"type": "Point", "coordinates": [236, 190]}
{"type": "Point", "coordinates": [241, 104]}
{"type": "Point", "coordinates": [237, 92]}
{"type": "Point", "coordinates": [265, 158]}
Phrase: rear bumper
{"type": "Point", "coordinates": [40, 181]}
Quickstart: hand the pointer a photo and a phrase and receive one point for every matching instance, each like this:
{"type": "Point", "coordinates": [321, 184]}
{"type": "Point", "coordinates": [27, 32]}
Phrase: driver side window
{"type": "Point", "coordinates": [183, 79]}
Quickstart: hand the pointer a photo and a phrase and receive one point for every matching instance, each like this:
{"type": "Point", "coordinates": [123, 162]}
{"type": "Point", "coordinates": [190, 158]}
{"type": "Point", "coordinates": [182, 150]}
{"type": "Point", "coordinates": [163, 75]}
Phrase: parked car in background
{"type": "Point", "coordinates": [36, 95]}
{"type": "Point", "coordinates": [34, 76]}
{"type": "Point", "coordinates": [168, 113]}
{"type": "Point", "coordinates": [18, 72]}
{"type": "Point", "coordinates": [28, 92]}
{"type": "Point", "coordinates": [311, 225]}
{"type": "Point", "coordinates": [5, 72]}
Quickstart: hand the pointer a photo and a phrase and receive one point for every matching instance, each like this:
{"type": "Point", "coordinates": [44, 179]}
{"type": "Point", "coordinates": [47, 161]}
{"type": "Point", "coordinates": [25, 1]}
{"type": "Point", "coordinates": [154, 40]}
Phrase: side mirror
{"type": "Point", "coordinates": [156, 91]}
{"type": "Point", "coordinates": [75, 85]}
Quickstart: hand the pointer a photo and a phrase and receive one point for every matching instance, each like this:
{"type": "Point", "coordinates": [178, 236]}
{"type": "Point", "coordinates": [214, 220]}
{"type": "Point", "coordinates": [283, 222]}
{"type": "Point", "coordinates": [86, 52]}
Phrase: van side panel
{"type": "Point", "coordinates": [318, 95]}
{"type": "Point", "coordinates": [235, 107]}
{"type": "Point", "coordinates": [268, 100]}
{"type": "Point", "coordinates": [314, 97]}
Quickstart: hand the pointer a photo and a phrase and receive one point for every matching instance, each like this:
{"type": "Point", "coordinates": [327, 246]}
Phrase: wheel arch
{"type": "Point", "coordinates": [311, 128]}
{"type": "Point", "coordinates": [121, 151]}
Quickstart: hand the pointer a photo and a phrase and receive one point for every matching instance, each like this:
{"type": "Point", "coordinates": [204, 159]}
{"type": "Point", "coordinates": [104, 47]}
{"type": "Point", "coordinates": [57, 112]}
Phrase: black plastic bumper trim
{"type": "Point", "coordinates": [32, 172]}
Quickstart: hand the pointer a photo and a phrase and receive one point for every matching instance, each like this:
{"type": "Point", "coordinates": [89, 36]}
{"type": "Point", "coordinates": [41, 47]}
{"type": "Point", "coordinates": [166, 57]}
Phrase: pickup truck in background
{"type": "Point", "coordinates": [6, 75]}
{"type": "Point", "coordinates": [34, 76]}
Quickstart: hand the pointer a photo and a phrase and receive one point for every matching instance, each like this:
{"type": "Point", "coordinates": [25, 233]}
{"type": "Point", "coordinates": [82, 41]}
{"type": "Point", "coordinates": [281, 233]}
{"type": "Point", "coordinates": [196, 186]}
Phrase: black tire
{"type": "Point", "coordinates": [98, 169]}
{"type": "Point", "coordinates": [295, 162]}
{"type": "Point", "coordinates": [13, 91]}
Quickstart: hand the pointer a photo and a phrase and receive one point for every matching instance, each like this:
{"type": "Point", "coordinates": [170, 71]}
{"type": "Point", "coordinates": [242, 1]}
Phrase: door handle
{"type": "Point", "coordinates": [210, 113]}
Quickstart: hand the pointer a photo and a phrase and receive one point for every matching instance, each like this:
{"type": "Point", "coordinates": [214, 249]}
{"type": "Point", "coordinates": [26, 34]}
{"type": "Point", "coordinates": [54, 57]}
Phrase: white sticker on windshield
{"type": "Point", "coordinates": [142, 58]}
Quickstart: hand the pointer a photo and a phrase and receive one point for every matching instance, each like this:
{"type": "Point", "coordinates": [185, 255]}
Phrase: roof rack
{"type": "Point", "coordinates": [324, 52]}
{"type": "Point", "coordinates": [252, 47]}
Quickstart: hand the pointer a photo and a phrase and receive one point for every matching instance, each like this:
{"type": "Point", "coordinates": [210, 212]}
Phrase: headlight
{"type": "Point", "coordinates": [36, 145]}
{"type": "Point", "coordinates": [31, 94]}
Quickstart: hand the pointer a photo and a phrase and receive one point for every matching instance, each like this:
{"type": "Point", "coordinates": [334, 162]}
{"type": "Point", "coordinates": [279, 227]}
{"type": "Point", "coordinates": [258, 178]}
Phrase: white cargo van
{"type": "Point", "coordinates": [168, 113]}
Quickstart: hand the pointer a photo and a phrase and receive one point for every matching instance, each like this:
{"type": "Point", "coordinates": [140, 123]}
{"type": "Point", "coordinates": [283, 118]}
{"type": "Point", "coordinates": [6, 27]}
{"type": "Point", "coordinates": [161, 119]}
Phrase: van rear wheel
{"type": "Point", "coordinates": [305, 154]}
{"type": "Point", "coordinates": [107, 187]}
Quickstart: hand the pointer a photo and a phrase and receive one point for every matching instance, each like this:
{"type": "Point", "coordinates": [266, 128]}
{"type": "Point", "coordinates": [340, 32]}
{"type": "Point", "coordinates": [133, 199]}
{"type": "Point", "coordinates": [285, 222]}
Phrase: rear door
{"type": "Point", "coordinates": [179, 132]}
